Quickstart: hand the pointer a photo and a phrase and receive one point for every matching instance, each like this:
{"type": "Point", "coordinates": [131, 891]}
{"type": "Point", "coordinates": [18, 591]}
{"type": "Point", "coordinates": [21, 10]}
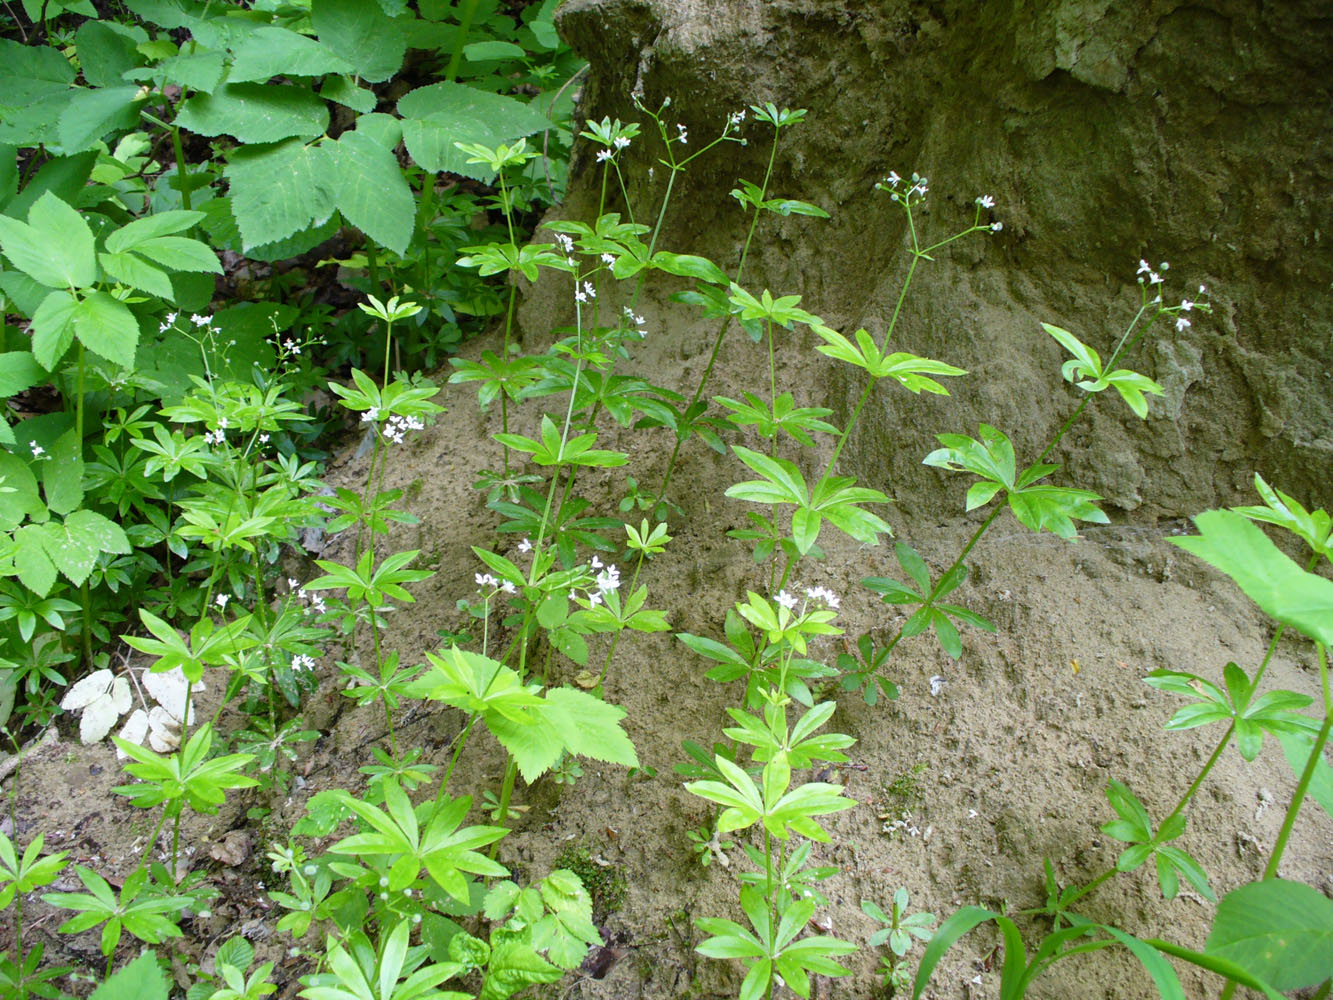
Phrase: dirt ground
{"type": "Point", "coordinates": [1003, 764]}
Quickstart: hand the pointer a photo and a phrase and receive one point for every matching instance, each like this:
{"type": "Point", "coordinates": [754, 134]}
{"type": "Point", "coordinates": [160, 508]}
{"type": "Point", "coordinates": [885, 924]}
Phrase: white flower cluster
{"type": "Point", "coordinates": [313, 602]}
{"type": "Point", "coordinates": [487, 581]}
{"type": "Point", "coordinates": [397, 425]}
{"type": "Point", "coordinates": [585, 293]}
{"type": "Point", "coordinates": [637, 321]}
{"type": "Point", "coordinates": [736, 117]}
{"type": "Point", "coordinates": [608, 579]}
{"type": "Point", "coordinates": [823, 596]}
{"type": "Point", "coordinates": [1155, 278]}
{"type": "Point", "coordinates": [302, 662]}
{"type": "Point", "coordinates": [566, 243]}
{"type": "Point", "coordinates": [217, 436]}
{"type": "Point", "coordinates": [684, 136]}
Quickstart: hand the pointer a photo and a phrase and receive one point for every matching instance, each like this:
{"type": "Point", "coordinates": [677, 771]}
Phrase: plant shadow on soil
{"type": "Point", "coordinates": [1008, 763]}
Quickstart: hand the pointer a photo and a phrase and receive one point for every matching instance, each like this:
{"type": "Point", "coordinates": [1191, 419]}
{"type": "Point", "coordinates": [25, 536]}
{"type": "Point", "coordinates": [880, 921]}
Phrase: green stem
{"type": "Point", "coordinates": [506, 791]}
{"type": "Point", "coordinates": [1303, 785]}
{"type": "Point", "coordinates": [464, 26]}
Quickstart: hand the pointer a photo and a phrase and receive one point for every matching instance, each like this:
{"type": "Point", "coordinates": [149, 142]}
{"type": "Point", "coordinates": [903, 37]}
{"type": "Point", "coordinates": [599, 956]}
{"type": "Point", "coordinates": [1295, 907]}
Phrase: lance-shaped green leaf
{"type": "Point", "coordinates": [475, 684]}
{"type": "Point", "coordinates": [1314, 528]}
{"type": "Point", "coordinates": [1272, 711]}
{"type": "Point", "coordinates": [1087, 365]}
{"type": "Point", "coordinates": [445, 848]}
{"type": "Point", "coordinates": [909, 370]}
{"type": "Point", "coordinates": [1135, 828]}
{"type": "Point", "coordinates": [1038, 507]}
{"type": "Point", "coordinates": [209, 645]}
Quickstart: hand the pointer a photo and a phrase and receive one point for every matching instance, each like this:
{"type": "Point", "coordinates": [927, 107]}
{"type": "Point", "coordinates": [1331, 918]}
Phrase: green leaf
{"type": "Point", "coordinates": [438, 116]}
{"type": "Point", "coordinates": [370, 191]}
{"type": "Point", "coordinates": [106, 50]}
{"type": "Point", "coordinates": [55, 247]}
{"type": "Point", "coordinates": [1297, 749]}
{"type": "Point", "coordinates": [1280, 931]}
{"type": "Point", "coordinates": [24, 502]}
{"type": "Point", "coordinates": [75, 545]}
{"type": "Point", "coordinates": [256, 113]}
{"type": "Point", "coordinates": [272, 51]}
{"type": "Point", "coordinates": [141, 979]}
{"type": "Point", "coordinates": [1268, 577]}
{"type": "Point", "coordinates": [344, 91]}
{"type": "Point", "coordinates": [689, 266]}
{"type": "Point", "coordinates": [278, 190]}
{"type": "Point", "coordinates": [106, 327]}
{"type": "Point", "coordinates": [62, 475]}
{"type": "Point", "coordinates": [53, 328]}
{"type": "Point", "coordinates": [35, 569]}
{"type": "Point", "coordinates": [130, 270]}
{"type": "Point", "coordinates": [91, 114]}
{"type": "Point", "coordinates": [513, 967]}
{"type": "Point", "coordinates": [31, 72]}
{"type": "Point", "coordinates": [493, 51]}
{"type": "Point", "coordinates": [362, 34]}
{"type": "Point", "coordinates": [19, 370]}
{"type": "Point", "coordinates": [950, 931]}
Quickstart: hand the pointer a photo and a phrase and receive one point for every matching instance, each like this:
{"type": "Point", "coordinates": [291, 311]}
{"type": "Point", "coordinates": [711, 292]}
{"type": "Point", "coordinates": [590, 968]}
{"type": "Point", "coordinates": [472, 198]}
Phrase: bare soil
{"type": "Point", "coordinates": [1006, 764]}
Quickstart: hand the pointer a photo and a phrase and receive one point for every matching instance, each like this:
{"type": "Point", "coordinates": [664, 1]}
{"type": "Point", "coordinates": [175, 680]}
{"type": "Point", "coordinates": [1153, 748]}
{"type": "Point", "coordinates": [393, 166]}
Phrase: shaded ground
{"type": "Point", "coordinates": [1006, 764]}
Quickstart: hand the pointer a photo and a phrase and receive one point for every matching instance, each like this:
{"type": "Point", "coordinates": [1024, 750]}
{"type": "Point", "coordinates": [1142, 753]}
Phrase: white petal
{"type": "Point", "coordinates": [121, 697]}
{"type": "Point", "coordinates": [87, 691]}
{"type": "Point", "coordinates": [97, 720]}
{"type": "Point", "coordinates": [134, 730]}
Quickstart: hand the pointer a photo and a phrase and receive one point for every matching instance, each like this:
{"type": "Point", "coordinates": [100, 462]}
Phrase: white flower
{"type": "Point", "coordinates": [736, 117]}
{"type": "Point", "coordinates": [221, 600]}
{"type": "Point", "coordinates": [1202, 290]}
{"type": "Point", "coordinates": [293, 583]}
{"type": "Point", "coordinates": [604, 155]}
{"type": "Point", "coordinates": [995, 227]}
{"type": "Point", "coordinates": [578, 294]}
{"type": "Point", "coordinates": [370, 415]}
{"type": "Point", "coordinates": [893, 179]}
{"type": "Point", "coordinates": [595, 563]}
{"type": "Point", "coordinates": [317, 602]}
{"type": "Point", "coordinates": [589, 290]}
{"type": "Point", "coordinates": [37, 450]}
{"type": "Point", "coordinates": [525, 545]}
{"type": "Point", "coordinates": [684, 135]}
{"type": "Point", "coordinates": [785, 599]}
{"type": "Point", "coordinates": [608, 259]}
{"type": "Point", "coordinates": [608, 579]}
{"type": "Point", "coordinates": [594, 597]}
{"type": "Point", "coordinates": [508, 587]}
{"type": "Point", "coordinates": [1144, 267]}
{"type": "Point", "coordinates": [621, 141]}
{"type": "Point", "coordinates": [1154, 278]}
{"type": "Point", "coordinates": [222, 422]}
{"type": "Point", "coordinates": [565, 241]}
{"type": "Point", "coordinates": [1186, 305]}
{"type": "Point", "coordinates": [824, 596]}
{"type": "Point", "coordinates": [302, 662]}
{"type": "Point", "coordinates": [198, 320]}
{"type": "Point", "coordinates": [1182, 323]}
{"type": "Point", "coordinates": [986, 201]}
{"type": "Point", "coordinates": [486, 580]}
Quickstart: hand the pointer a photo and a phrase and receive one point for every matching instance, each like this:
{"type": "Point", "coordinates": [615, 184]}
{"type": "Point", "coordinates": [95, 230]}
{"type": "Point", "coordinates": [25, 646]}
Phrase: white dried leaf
{"type": "Point", "coordinates": [98, 718]}
{"type": "Point", "coordinates": [134, 730]}
{"type": "Point", "coordinates": [87, 691]}
{"type": "Point", "coordinates": [162, 734]}
{"type": "Point", "coordinates": [168, 689]}
{"type": "Point", "coordinates": [121, 697]}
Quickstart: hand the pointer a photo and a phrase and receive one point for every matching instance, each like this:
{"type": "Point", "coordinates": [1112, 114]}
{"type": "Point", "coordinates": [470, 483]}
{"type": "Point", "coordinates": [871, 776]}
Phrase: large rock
{"type": "Point", "coordinates": [1195, 133]}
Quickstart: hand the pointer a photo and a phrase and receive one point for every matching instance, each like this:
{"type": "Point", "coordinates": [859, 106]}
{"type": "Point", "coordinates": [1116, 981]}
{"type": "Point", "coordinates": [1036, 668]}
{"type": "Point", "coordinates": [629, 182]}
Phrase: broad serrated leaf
{"type": "Point", "coordinates": [106, 50]}
{"type": "Point", "coordinates": [106, 327]}
{"type": "Point", "coordinates": [256, 113]}
{"type": "Point", "coordinates": [54, 247]}
{"type": "Point", "coordinates": [91, 114]}
{"type": "Point", "coordinates": [370, 190]}
{"type": "Point", "coordinates": [19, 370]}
{"type": "Point", "coordinates": [273, 51]}
{"type": "Point", "coordinates": [437, 116]}
{"type": "Point", "coordinates": [279, 190]}
{"type": "Point", "coordinates": [362, 34]}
